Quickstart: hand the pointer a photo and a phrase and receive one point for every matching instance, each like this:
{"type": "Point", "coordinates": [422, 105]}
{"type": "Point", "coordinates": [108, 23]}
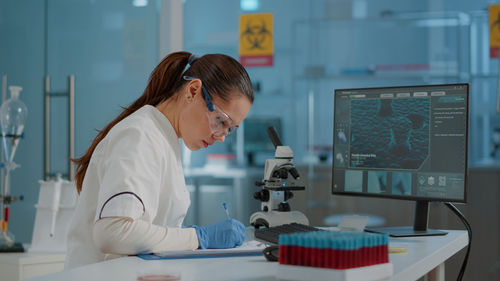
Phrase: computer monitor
{"type": "Point", "coordinates": [402, 143]}
{"type": "Point", "coordinates": [257, 146]}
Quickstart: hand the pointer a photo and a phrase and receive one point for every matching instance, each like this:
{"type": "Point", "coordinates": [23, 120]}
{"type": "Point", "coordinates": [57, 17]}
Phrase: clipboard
{"type": "Point", "coordinates": [249, 248]}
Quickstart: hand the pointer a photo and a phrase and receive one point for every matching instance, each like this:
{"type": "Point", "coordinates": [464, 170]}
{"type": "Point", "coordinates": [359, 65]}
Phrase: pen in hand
{"type": "Point", "coordinates": [225, 209]}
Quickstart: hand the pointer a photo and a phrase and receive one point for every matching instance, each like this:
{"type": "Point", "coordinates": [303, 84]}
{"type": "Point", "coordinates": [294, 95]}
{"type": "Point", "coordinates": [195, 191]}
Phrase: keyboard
{"type": "Point", "coordinates": [272, 234]}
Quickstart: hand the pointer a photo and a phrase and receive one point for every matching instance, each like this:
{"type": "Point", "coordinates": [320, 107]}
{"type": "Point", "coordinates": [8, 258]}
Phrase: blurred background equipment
{"type": "Point", "coordinates": [13, 114]}
{"type": "Point", "coordinates": [257, 147]}
{"type": "Point", "coordinates": [55, 208]}
{"type": "Point", "coordinates": [57, 196]}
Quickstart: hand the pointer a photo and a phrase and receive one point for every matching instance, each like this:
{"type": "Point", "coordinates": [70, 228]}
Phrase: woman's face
{"type": "Point", "coordinates": [198, 126]}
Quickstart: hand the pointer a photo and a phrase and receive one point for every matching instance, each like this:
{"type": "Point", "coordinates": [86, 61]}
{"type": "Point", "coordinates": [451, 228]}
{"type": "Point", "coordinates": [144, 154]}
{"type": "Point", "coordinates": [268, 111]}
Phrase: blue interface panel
{"type": "Point", "coordinates": [402, 142]}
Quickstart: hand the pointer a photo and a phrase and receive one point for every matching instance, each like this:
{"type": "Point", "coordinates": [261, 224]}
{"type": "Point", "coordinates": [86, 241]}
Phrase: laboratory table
{"type": "Point", "coordinates": [424, 256]}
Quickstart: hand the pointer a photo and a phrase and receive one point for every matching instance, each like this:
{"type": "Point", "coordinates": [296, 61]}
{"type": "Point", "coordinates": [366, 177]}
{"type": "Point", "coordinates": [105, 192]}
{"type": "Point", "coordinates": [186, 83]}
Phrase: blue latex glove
{"type": "Point", "coordinates": [224, 234]}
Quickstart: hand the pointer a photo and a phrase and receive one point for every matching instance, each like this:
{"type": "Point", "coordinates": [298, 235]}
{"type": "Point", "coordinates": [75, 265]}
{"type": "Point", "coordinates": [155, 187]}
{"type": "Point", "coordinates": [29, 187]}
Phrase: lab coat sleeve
{"type": "Point", "coordinates": [130, 176]}
{"type": "Point", "coordinates": [126, 236]}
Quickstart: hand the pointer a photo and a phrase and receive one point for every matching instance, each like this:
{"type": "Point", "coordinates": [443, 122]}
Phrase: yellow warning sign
{"type": "Point", "coordinates": [494, 11]}
{"type": "Point", "coordinates": [256, 39]}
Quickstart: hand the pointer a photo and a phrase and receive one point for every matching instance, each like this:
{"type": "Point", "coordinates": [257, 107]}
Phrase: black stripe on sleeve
{"type": "Point", "coordinates": [121, 193]}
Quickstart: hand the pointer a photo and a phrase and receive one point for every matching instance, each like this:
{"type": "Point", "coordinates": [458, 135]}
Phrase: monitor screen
{"type": "Point", "coordinates": [402, 142]}
{"type": "Point", "coordinates": [256, 138]}
{"type": "Point", "coordinates": [257, 145]}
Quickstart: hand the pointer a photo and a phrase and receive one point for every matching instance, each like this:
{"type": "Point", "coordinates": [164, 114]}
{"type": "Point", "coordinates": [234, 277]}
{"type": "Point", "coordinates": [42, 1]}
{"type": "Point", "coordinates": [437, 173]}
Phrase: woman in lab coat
{"type": "Point", "coordinates": [132, 193]}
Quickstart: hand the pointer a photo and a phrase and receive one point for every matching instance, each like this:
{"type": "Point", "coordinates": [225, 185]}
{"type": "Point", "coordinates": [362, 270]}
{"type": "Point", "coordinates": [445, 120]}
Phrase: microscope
{"type": "Point", "coordinates": [279, 181]}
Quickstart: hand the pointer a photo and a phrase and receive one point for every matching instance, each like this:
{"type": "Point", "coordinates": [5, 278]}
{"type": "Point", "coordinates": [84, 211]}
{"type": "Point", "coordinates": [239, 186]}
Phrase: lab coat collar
{"type": "Point", "coordinates": [164, 125]}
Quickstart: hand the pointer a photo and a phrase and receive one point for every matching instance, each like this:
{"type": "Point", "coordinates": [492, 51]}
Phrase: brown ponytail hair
{"type": "Point", "coordinates": [220, 74]}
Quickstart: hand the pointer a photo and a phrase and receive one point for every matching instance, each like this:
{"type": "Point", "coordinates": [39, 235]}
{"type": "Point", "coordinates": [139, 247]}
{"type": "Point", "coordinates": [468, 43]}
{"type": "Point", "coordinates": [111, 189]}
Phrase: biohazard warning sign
{"type": "Point", "coordinates": [494, 11]}
{"type": "Point", "coordinates": [256, 39]}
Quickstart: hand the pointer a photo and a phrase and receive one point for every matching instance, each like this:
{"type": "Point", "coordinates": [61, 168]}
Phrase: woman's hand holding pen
{"type": "Point", "coordinates": [228, 233]}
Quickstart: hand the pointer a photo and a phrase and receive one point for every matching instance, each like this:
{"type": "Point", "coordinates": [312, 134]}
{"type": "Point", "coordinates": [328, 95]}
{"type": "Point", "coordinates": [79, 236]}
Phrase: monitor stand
{"type": "Point", "coordinates": [419, 226]}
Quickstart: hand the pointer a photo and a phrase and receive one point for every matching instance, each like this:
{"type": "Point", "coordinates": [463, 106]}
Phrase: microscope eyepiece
{"type": "Point", "coordinates": [273, 135]}
{"type": "Point", "coordinates": [294, 173]}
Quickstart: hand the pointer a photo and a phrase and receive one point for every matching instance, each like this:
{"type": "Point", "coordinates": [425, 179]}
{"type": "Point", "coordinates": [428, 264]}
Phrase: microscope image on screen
{"type": "Point", "coordinates": [354, 181]}
{"type": "Point", "coordinates": [389, 133]}
{"type": "Point", "coordinates": [401, 183]}
{"type": "Point", "coordinates": [377, 182]}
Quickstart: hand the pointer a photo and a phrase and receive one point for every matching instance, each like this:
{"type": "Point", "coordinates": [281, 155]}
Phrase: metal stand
{"type": "Point", "coordinates": [7, 239]}
{"type": "Point", "coordinates": [419, 225]}
{"type": "Point", "coordinates": [70, 95]}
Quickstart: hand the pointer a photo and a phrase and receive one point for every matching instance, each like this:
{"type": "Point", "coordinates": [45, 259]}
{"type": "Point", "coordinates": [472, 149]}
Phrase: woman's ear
{"type": "Point", "coordinates": [194, 88]}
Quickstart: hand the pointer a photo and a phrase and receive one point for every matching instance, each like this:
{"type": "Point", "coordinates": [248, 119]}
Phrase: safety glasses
{"type": "Point", "coordinates": [220, 123]}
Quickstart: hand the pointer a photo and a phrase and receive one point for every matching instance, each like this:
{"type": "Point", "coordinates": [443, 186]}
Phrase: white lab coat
{"type": "Point", "coordinates": [135, 172]}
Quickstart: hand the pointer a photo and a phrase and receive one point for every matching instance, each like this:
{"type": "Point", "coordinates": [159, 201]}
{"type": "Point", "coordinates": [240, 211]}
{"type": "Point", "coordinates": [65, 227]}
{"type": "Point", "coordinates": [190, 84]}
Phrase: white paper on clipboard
{"type": "Point", "coordinates": [248, 247]}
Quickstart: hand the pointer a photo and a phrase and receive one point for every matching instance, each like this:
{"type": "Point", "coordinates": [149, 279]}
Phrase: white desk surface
{"type": "Point", "coordinates": [424, 254]}
{"type": "Point", "coordinates": [31, 258]}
